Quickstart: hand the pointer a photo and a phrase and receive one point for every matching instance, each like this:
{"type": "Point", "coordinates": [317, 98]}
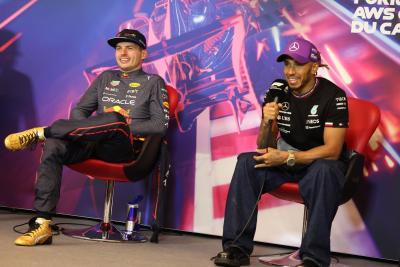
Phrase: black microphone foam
{"type": "Point", "coordinates": [276, 90]}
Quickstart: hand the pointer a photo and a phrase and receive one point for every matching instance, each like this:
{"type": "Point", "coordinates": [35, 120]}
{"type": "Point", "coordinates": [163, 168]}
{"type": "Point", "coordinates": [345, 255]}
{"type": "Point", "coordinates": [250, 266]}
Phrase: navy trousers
{"type": "Point", "coordinates": [320, 185]}
{"type": "Point", "coordinates": [105, 136]}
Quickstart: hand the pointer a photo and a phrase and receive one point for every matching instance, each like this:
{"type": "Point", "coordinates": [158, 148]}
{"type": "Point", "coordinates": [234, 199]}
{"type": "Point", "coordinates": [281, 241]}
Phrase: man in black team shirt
{"type": "Point", "coordinates": [309, 119]}
{"type": "Point", "coordinates": [129, 105]}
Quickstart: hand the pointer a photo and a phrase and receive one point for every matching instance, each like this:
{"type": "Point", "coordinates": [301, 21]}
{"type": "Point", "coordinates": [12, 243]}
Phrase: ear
{"type": "Point", "coordinates": [314, 68]}
{"type": "Point", "coordinates": [144, 54]}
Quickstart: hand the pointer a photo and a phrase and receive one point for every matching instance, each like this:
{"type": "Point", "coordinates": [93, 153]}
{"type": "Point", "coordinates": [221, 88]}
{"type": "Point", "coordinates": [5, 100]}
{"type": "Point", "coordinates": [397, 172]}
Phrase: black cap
{"type": "Point", "coordinates": [128, 35]}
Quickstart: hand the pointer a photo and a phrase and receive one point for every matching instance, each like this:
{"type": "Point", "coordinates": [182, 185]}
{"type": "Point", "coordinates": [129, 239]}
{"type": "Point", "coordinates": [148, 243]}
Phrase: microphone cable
{"type": "Point", "coordinates": [278, 87]}
{"type": "Point", "coordinates": [268, 135]}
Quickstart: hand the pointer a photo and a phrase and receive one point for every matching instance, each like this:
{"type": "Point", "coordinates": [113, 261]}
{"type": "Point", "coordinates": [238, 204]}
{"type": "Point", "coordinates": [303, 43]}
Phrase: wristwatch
{"type": "Point", "coordinates": [291, 160]}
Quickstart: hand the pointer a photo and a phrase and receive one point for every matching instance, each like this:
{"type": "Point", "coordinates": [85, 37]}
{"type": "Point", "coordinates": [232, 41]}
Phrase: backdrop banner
{"type": "Point", "coordinates": [220, 56]}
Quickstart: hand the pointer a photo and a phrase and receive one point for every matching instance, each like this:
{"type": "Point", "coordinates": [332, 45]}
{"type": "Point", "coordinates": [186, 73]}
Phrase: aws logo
{"type": "Point", "coordinates": [134, 85]}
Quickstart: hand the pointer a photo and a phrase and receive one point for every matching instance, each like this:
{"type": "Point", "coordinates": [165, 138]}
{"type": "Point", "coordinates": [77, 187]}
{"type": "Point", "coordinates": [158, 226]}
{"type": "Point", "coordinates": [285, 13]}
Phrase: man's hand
{"type": "Point", "coordinates": [118, 109]}
{"type": "Point", "coordinates": [271, 111]}
{"type": "Point", "coordinates": [270, 157]}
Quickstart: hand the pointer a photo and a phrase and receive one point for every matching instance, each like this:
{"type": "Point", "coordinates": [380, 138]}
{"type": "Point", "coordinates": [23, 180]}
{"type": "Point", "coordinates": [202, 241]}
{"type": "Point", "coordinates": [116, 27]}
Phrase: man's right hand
{"type": "Point", "coordinates": [271, 111]}
{"type": "Point", "coordinates": [270, 157]}
{"type": "Point", "coordinates": [118, 109]}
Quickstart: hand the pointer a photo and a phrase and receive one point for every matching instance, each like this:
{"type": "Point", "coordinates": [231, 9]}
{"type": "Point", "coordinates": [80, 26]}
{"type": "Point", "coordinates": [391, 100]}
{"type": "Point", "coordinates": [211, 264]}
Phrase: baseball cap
{"type": "Point", "coordinates": [300, 50]}
{"type": "Point", "coordinates": [128, 35]}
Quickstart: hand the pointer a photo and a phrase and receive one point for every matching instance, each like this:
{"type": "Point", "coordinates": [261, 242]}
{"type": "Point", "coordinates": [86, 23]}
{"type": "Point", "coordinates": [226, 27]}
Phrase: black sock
{"type": "Point", "coordinates": [47, 133]}
{"type": "Point", "coordinates": [45, 215]}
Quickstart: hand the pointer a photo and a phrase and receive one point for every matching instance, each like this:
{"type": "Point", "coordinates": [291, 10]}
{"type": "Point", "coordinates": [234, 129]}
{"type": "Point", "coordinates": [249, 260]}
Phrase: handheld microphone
{"type": "Point", "coordinates": [276, 99]}
{"type": "Point", "coordinates": [277, 89]}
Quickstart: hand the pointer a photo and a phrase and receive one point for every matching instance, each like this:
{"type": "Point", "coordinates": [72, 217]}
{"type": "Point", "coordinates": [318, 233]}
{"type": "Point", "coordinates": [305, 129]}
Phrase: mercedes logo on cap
{"type": "Point", "coordinates": [294, 46]}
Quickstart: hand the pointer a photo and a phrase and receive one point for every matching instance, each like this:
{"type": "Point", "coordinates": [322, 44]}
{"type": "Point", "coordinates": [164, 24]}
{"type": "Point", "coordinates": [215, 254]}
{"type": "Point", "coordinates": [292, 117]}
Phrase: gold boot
{"type": "Point", "coordinates": [25, 139]}
{"type": "Point", "coordinates": [40, 233]}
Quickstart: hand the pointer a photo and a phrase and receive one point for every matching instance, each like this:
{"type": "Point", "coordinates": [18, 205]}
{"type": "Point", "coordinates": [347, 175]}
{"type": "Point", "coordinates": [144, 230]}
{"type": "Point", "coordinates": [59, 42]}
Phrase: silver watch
{"type": "Point", "coordinates": [291, 160]}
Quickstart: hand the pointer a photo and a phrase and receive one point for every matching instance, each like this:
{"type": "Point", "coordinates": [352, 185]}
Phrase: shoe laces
{"type": "Point", "coordinates": [234, 250]}
{"type": "Point", "coordinates": [33, 229]}
{"type": "Point", "coordinates": [29, 139]}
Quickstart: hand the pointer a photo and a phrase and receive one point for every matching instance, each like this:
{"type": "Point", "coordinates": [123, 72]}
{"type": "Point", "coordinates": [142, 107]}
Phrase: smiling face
{"type": "Point", "coordinates": [129, 56]}
{"type": "Point", "coordinates": [300, 77]}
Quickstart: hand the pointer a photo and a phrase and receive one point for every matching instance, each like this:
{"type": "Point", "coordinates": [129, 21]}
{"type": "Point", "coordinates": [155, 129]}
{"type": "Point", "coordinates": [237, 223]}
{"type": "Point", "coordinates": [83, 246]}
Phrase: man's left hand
{"type": "Point", "coordinates": [270, 157]}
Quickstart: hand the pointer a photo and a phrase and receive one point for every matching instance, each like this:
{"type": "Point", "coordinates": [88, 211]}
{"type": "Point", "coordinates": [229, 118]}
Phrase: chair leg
{"type": "Point", "coordinates": [290, 259]}
{"type": "Point", "coordinates": [105, 230]}
{"type": "Point", "coordinates": [108, 201]}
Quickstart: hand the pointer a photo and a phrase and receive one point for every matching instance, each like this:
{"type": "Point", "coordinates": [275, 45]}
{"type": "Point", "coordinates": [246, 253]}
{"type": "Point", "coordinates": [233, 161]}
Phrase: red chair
{"type": "Point", "coordinates": [121, 172]}
{"type": "Point", "coordinates": [364, 118]}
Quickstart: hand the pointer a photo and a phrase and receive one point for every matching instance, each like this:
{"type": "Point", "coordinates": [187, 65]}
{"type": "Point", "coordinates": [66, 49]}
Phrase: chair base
{"type": "Point", "coordinates": [105, 232]}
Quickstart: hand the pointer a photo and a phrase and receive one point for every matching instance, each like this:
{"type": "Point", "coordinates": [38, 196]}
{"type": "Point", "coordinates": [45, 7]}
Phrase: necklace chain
{"type": "Point", "coordinates": [309, 92]}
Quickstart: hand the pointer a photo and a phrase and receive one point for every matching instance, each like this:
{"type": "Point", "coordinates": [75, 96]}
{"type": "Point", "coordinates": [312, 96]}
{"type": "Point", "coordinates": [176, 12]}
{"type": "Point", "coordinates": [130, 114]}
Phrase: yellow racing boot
{"type": "Point", "coordinates": [39, 233]}
{"type": "Point", "coordinates": [25, 139]}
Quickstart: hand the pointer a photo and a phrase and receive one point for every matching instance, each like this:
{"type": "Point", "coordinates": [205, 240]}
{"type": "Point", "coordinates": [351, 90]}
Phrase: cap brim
{"type": "Point", "coordinates": [114, 41]}
{"type": "Point", "coordinates": [295, 57]}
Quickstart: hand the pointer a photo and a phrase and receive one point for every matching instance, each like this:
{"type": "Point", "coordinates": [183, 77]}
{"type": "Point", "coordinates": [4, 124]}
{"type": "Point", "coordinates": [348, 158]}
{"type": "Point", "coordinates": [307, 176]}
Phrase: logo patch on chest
{"type": "Point", "coordinates": [285, 106]}
{"type": "Point", "coordinates": [134, 85]}
{"type": "Point", "coordinates": [114, 83]}
{"type": "Point", "coordinates": [314, 110]}
{"type": "Point", "coordinates": [313, 122]}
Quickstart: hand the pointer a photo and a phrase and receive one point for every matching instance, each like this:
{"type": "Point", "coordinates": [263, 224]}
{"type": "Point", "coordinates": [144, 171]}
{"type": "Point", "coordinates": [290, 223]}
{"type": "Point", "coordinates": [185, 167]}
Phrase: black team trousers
{"type": "Point", "coordinates": [105, 136]}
